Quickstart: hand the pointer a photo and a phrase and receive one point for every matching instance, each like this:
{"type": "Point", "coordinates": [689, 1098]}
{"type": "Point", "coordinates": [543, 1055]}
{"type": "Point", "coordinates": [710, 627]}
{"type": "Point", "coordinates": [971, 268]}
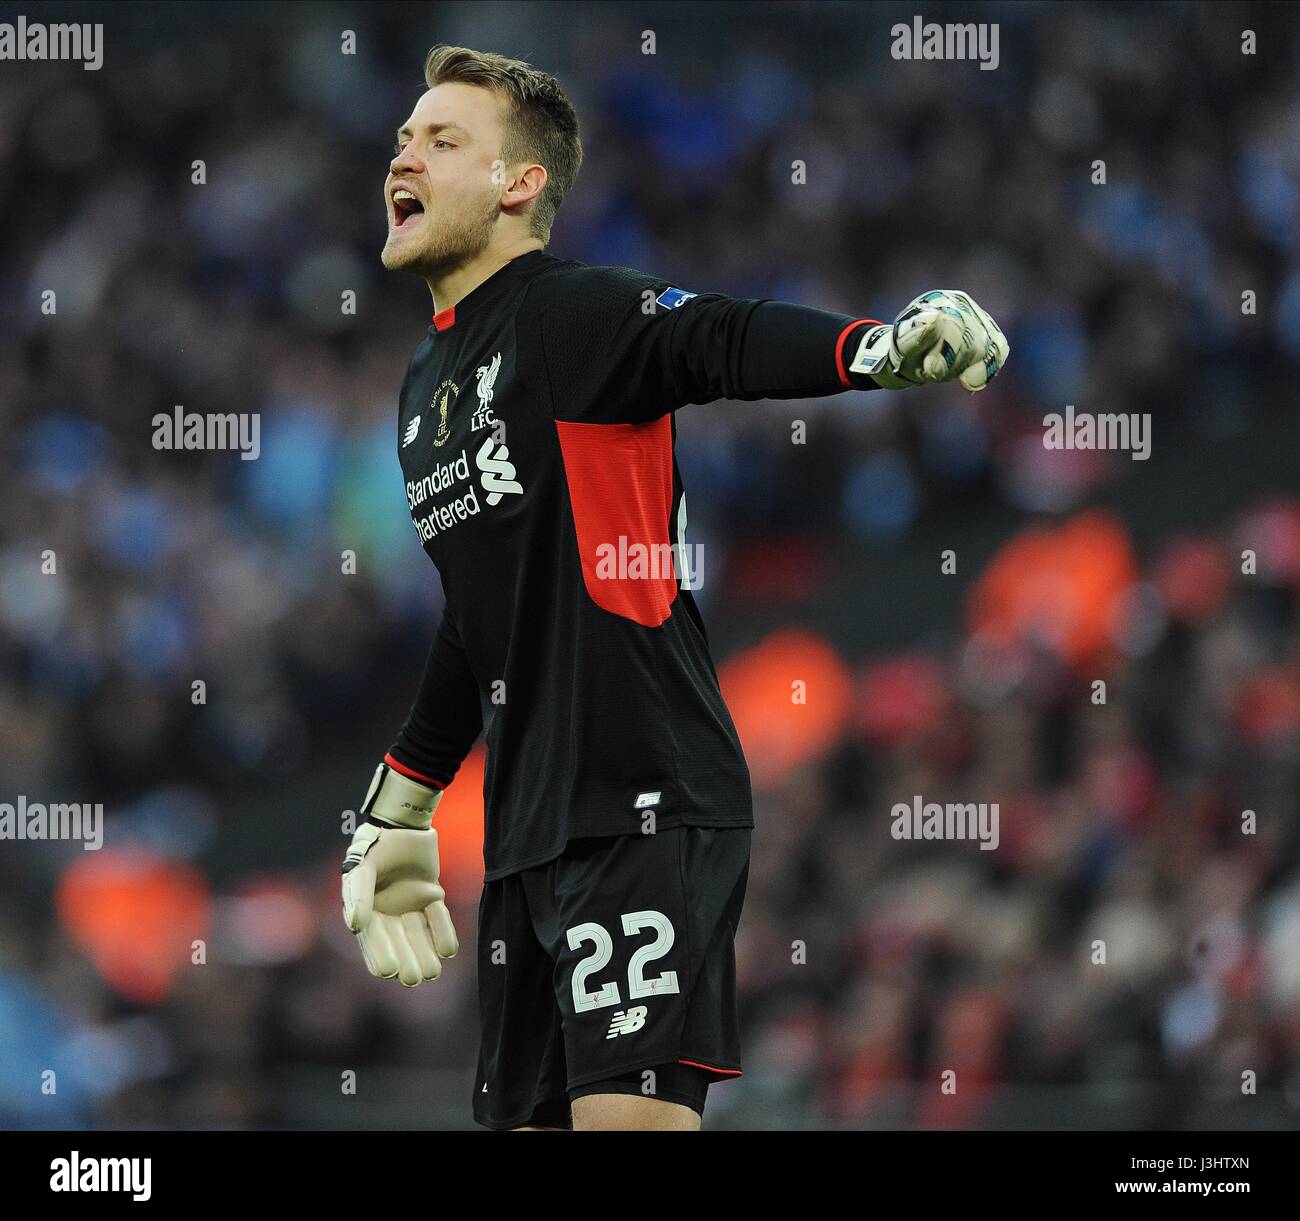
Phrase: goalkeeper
{"type": "Point", "coordinates": [536, 436]}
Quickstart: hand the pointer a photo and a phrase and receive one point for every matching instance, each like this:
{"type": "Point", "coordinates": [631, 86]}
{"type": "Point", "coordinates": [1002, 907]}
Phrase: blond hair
{"type": "Point", "coordinates": [540, 124]}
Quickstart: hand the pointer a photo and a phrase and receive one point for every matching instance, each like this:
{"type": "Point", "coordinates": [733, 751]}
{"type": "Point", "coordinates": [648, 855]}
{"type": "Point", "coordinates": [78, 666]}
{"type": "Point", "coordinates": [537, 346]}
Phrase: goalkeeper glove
{"type": "Point", "coordinates": [941, 335]}
{"type": "Point", "coordinates": [392, 900]}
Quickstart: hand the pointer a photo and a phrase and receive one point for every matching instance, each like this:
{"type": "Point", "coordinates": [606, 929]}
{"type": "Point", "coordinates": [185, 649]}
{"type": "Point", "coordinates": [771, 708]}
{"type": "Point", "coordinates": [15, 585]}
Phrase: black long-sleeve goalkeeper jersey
{"type": "Point", "coordinates": [536, 438]}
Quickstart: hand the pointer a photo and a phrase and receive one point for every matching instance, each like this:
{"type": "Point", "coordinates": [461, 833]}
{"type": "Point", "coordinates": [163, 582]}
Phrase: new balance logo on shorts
{"type": "Point", "coordinates": [627, 1021]}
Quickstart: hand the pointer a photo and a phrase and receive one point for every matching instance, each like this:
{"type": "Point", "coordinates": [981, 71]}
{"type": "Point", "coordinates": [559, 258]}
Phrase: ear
{"type": "Point", "coordinates": [524, 186]}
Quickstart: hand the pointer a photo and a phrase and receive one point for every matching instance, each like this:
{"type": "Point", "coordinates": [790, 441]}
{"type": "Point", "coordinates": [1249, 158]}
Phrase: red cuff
{"type": "Point", "coordinates": [839, 349]}
{"type": "Point", "coordinates": [412, 773]}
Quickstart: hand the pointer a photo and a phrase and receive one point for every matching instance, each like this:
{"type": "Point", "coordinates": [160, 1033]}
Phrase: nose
{"type": "Point", "coordinates": [405, 162]}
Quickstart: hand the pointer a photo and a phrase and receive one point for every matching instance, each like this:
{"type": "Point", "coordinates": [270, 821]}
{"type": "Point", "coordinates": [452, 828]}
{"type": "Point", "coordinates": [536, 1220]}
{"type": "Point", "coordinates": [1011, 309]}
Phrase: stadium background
{"type": "Point", "coordinates": [821, 561]}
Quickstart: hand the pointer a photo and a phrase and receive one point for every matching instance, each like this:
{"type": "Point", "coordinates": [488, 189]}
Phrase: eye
{"type": "Point", "coordinates": [437, 142]}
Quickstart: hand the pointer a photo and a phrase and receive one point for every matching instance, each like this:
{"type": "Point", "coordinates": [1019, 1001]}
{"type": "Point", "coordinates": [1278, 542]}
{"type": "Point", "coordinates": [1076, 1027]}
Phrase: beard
{"type": "Point", "coordinates": [443, 243]}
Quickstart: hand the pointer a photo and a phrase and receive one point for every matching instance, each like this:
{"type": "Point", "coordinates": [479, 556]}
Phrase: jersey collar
{"type": "Point", "coordinates": [445, 319]}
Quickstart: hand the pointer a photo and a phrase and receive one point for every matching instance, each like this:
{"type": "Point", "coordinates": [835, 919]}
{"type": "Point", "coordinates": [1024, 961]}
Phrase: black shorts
{"type": "Point", "coordinates": [610, 969]}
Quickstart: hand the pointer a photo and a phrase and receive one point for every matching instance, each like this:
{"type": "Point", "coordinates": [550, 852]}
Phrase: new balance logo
{"type": "Point", "coordinates": [645, 800]}
{"type": "Point", "coordinates": [627, 1021]}
{"type": "Point", "coordinates": [411, 429]}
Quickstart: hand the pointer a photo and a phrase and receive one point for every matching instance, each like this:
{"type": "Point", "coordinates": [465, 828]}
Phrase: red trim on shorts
{"type": "Point", "coordinates": [839, 349]}
{"type": "Point", "coordinates": [708, 1068]}
{"type": "Point", "coordinates": [412, 773]}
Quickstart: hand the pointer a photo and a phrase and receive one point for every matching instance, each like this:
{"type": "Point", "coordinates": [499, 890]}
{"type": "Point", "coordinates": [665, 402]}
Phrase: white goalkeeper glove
{"type": "Point", "coordinates": [941, 335]}
{"type": "Point", "coordinates": [392, 900]}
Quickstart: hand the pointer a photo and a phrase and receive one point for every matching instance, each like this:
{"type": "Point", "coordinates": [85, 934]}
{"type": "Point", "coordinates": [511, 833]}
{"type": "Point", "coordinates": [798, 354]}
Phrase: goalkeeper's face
{"type": "Point", "coordinates": [443, 205]}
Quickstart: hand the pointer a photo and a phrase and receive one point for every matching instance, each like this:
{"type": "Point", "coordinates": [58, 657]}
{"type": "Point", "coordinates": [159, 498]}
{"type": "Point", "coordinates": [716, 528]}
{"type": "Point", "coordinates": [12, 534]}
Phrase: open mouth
{"type": "Point", "coordinates": [407, 210]}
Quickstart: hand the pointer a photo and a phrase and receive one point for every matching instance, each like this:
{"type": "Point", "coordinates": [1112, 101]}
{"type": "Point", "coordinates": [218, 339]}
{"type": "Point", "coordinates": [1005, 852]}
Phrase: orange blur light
{"type": "Point", "coordinates": [135, 916]}
{"type": "Point", "coordinates": [790, 697]}
{"type": "Point", "coordinates": [1056, 585]}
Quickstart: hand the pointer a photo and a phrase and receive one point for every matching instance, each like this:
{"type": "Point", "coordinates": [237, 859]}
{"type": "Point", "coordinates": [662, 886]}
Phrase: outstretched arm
{"type": "Point", "coordinates": [622, 347]}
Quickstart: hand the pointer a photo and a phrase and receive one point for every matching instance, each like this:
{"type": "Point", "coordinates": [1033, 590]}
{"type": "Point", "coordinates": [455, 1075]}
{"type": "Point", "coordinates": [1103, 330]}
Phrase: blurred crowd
{"type": "Point", "coordinates": [182, 640]}
{"type": "Point", "coordinates": [1129, 955]}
